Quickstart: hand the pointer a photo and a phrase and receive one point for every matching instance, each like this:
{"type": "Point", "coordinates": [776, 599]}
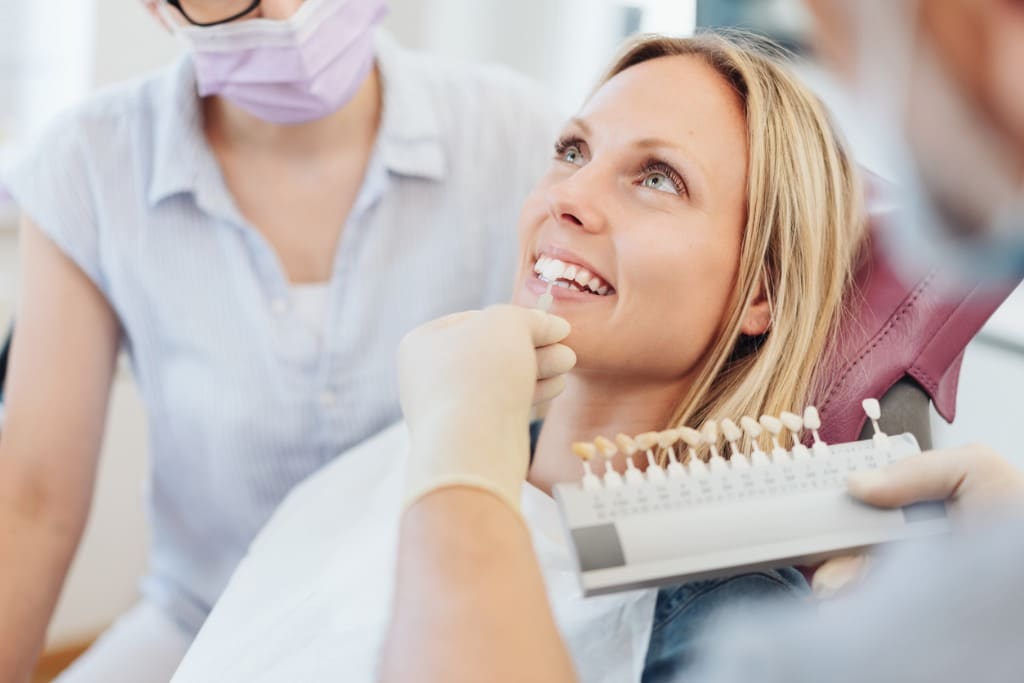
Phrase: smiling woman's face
{"type": "Point", "coordinates": [640, 221]}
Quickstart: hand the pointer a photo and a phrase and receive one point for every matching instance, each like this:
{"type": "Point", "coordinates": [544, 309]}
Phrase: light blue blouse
{"type": "Point", "coordinates": [242, 400]}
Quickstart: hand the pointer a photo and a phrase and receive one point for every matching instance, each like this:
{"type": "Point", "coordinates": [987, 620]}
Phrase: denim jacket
{"type": "Point", "coordinates": [683, 613]}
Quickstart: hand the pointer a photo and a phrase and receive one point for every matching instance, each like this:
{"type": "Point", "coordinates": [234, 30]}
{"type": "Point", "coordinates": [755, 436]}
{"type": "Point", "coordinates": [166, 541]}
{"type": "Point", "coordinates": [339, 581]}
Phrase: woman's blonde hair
{"type": "Point", "coordinates": [804, 227]}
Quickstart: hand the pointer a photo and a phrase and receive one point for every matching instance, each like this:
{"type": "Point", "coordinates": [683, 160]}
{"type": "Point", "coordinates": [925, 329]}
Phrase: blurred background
{"type": "Point", "coordinates": [54, 53]}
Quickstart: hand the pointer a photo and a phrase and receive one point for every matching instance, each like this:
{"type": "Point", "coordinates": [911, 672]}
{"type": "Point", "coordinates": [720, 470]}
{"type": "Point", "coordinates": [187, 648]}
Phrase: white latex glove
{"type": "Point", "coordinates": [468, 382]}
{"type": "Point", "coordinates": [972, 480]}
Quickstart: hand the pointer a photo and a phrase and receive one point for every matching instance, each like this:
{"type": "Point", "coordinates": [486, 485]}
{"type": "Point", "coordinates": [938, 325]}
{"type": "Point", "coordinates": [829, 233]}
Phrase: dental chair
{"type": "Point", "coordinates": [902, 343]}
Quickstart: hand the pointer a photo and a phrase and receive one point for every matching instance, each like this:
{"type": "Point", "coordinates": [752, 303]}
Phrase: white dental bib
{"type": "Point", "coordinates": [311, 600]}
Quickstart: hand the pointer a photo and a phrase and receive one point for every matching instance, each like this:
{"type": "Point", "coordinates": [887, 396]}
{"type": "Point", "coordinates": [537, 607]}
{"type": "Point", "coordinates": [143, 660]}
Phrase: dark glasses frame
{"type": "Point", "coordinates": [176, 4]}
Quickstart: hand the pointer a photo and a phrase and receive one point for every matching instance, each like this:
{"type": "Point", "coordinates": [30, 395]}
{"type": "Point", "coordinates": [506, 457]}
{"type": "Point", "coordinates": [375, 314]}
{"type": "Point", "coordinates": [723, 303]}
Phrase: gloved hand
{"type": "Point", "coordinates": [972, 480]}
{"type": "Point", "coordinates": [468, 382]}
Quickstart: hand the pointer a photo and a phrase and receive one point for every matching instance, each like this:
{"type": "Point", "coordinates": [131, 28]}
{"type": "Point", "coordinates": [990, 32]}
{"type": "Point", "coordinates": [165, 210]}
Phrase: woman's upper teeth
{"type": "Point", "coordinates": [568, 274]}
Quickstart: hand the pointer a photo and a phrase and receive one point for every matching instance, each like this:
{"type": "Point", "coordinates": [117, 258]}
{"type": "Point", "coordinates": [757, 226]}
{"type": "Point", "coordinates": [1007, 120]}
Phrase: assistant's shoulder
{"type": "Point", "coordinates": [115, 119]}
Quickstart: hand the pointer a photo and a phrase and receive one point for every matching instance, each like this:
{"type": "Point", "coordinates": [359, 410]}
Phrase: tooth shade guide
{"type": "Point", "coordinates": [606, 447]}
{"type": "Point", "coordinates": [874, 413]}
{"type": "Point", "coordinates": [545, 301]}
{"type": "Point", "coordinates": [586, 452]}
{"type": "Point", "coordinates": [633, 475]}
{"type": "Point", "coordinates": [773, 426]}
{"type": "Point", "coordinates": [806, 513]}
{"type": "Point", "coordinates": [625, 444]}
{"type": "Point", "coordinates": [812, 421]}
{"type": "Point", "coordinates": [800, 452]}
{"type": "Point", "coordinates": [732, 435]}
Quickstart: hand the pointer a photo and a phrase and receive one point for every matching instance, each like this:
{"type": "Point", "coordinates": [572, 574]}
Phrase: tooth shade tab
{"type": "Point", "coordinates": [626, 444]}
{"type": "Point", "coordinates": [546, 300]}
{"type": "Point", "coordinates": [872, 408]}
{"type": "Point", "coordinates": [584, 451]}
{"type": "Point", "coordinates": [655, 474]}
{"type": "Point", "coordinates": [731, 431]}
{"type": "Point", "coordinates": [606, 447]}
{"type": "Point", "coordinates": [751, 427]}
{"type": "Point", "coordinates": [612, 479]}
{"type": "Point", "coordinates": [676, 470]}
{"type": "Point", "coordinates": [633, 475]}
{"type": "Point", "coordinates": [667, 438]}
{"type": "Point", "coordinates": [791, 421]}
{"type": "Point", "coordinates": [691, 436]}
{"type": "Point", "coordinates": [772, 425]}
{"type": "Point", "coordinates": [800, 452]}
{"type": "Point", "coordinates": [811, 418]}
{"type": "Point", "coordinates": [697, 467]}
{"type": "Point", "coordinates": [646, 441]}
{"type": "Point", "coordinates": [710, 431]}
{"type": "Point", "coordinates": [874, 411]}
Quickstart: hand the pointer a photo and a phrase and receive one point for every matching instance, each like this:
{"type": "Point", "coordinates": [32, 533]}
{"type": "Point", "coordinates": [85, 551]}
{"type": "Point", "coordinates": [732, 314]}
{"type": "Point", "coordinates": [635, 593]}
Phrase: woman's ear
{"type": "Point", "coordinates": [758, 317]}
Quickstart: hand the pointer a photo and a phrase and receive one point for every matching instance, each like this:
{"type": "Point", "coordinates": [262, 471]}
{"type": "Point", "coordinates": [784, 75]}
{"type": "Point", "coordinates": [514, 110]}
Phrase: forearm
{"type": "Point", "coordinates": [36, 547]}
{"type": "Point", "coordinates": [470, 603]}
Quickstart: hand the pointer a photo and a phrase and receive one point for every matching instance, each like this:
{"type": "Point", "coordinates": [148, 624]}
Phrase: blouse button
{"type": "Point", "coordinates": [279, 306]}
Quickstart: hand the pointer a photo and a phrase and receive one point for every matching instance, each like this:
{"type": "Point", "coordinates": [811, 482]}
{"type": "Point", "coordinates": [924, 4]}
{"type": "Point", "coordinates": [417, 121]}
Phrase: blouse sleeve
{"type": "Point", "coordinates": [52, 184]}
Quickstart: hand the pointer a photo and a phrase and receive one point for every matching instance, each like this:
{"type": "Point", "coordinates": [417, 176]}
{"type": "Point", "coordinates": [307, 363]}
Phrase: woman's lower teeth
{"type": "Point", "coordinates": [571, 285]}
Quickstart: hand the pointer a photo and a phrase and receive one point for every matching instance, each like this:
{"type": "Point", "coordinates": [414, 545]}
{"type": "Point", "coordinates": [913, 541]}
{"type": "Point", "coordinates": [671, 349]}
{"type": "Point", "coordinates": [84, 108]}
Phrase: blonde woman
{"type": "Point", "coordinates": [706, 218]}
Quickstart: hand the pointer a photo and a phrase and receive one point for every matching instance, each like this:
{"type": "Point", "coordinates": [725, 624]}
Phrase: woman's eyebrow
{"type": "Point", "coordinates": [581, 124]}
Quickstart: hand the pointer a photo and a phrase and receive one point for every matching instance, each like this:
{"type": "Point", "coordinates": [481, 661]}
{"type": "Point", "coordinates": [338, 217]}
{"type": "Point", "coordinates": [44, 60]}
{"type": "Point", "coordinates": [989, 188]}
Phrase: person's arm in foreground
{"type": "Point", "coordinates": [61, 366]}
{"type": "Point", "coordinates": [470, 603]}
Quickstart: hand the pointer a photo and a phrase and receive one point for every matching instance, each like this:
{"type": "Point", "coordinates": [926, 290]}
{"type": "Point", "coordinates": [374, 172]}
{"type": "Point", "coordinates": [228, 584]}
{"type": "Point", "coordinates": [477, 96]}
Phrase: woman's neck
{"type": "Point", "coordinates": [229, 126]}
{"type": "Point", "coordinates": [592, 406]}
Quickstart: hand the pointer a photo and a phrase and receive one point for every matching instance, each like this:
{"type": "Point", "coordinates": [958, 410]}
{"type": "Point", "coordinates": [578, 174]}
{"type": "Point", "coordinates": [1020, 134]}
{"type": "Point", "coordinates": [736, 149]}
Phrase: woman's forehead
{"type": "Point", "coordinates": [679, 100]}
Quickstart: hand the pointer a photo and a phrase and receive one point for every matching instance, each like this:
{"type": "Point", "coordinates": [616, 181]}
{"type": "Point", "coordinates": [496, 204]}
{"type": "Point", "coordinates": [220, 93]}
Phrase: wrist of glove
{"type": "Point", "coordinates": [493, 458]}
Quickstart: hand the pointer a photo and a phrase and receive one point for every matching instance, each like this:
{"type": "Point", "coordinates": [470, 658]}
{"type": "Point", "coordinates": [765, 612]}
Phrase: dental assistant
{"type": "Point", "coordinates": [257, 226]}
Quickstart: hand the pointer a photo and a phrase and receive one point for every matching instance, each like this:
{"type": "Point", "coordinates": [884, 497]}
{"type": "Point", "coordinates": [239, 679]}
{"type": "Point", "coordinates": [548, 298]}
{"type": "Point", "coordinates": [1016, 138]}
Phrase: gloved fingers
{"type": "Point", "coordinates": [837, 574]}
{"type": "Point", "coordinates": [548, 389]}
{"type": "Point", "coordinates": [929, 476]}
{"type": "Point", "coordinates": [450, 319]}
{"type": "Point", "coordinates": [553, 360]}
{"type": "Point", "coordinates": [546, 329]}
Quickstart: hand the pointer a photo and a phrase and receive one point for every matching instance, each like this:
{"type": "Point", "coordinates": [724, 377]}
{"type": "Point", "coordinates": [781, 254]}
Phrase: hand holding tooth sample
{"type": "Point", "coordinates": [469, 379]}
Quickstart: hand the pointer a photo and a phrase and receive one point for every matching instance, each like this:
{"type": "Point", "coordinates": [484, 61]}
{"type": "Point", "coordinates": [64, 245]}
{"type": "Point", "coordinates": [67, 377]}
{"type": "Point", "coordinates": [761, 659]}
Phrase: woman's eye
{"type": "Point", "coordinates": [656, 180]}
{"type": "Point", "coordinates": [572, 155]}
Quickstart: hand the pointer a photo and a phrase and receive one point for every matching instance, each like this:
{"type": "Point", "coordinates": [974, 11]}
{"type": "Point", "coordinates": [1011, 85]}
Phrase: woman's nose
{"type": "Point", "coordinates": [279, 9]}
{"type": "Point", "coordinates": [575, 203]}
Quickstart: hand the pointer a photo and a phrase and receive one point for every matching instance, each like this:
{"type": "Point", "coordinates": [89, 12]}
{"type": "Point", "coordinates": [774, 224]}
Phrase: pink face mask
{"type": "Point", "coordinates": [288, 71]}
